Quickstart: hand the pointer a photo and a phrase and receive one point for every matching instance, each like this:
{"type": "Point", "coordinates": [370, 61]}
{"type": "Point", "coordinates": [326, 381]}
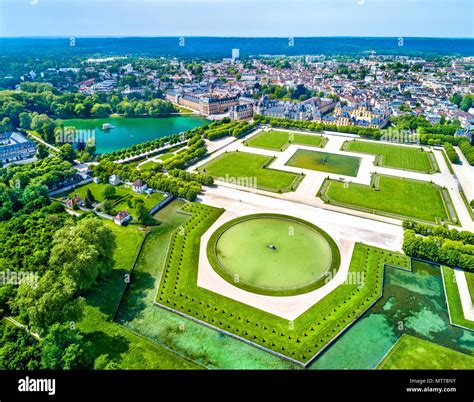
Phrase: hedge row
{"type": "Point", "coordinates": [468, 150]}
{"type": "Point", "coordinates": [439, 231]}
{"type": "Point", "coordinates": [451, 152]}
{"type": "Point", "coordinates": [446, 252]}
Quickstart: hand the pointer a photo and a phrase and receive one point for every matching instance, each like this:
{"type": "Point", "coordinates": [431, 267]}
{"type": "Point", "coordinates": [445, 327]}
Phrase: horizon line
{"type": "Point", "coordinates": [225, 37]}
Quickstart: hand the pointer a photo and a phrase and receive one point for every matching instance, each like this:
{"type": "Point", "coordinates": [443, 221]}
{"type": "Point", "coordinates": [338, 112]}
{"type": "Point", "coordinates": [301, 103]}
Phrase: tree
{"type": "Point", "coordinates": [25, 120]}
{"type": "Point", "coordinates": [108, 207]}
{"type": "Point", "coordinates": [456, 99]}
{"type": "Point", "coordinates": [50, 301]}
{"type": "Point", "coordinates": [65, 349]}
{"type": "Point", "coordinates": [466, 103]}
{"type": "Point", "coordinates": [42, 151]}
{"type": "Point", "coordinates": [83, 252]}
{"type": "Point", "coordinates": [143, 215]}
{"type": "Point", "coordinates": [67, 152]}
{"type": "Point", "coordinates": [18, 350]}
{"type": "Point", "coordinates": [89, 199]}
{"type": "Point", "coordinates": [109, 192]}
{"type": "Point", "coordinates": [101, 110]}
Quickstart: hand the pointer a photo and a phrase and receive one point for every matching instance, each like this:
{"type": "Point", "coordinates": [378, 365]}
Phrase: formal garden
{"type": "Point", "coordinates": [280, 140]}
{"type": "Point", "coordinates": [412, 353]}
{"type": "Point", "coordinates": [395, 156]}
{"type": "Point", "coordinates": [298, 341]}
{"type": "Point", "coordinates": [392, 196]}
{"type": "Point", "coordinates": [250, 170]}
{"type": "Point", "coordinates": [325, 162]}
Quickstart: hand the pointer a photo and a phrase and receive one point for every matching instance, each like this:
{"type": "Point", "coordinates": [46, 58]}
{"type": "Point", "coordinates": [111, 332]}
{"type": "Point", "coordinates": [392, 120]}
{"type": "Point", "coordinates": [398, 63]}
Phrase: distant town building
{"type": "Point", "coordinates": [464, 133]}
{"type": "Point", "coordinates": [310, 109]}
{"type": "Point", "coordinates": [15, 147]}
{"type": "Point", "coordinates": [235, 54]}
{"type": "Point", "coordinates": [241, 112]}
{"type": "Point", "coordinates": [115, 180]}
{"type": "Point", "coordinates": [122, 217]}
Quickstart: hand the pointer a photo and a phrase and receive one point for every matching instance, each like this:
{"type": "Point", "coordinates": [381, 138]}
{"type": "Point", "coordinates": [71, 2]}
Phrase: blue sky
{"type": "Point", "coordinates": [290, 18]}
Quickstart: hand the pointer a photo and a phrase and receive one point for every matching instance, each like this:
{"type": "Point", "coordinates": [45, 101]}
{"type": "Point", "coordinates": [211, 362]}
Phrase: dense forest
{"type": "Point", "coordinates": [36, 105]}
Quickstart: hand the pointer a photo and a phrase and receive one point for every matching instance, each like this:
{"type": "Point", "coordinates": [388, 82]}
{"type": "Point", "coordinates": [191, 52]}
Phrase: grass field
{"type": "Point", "coordinates": [125, 349]}
{"type": "Point", "coordinates": [123, 195]}
{"type": "Point", "coordinates": [110, 340]}
{"type": "Point", "coordinates": [280, 140]}
{"type": "Point", "coordinates": [196, 341]}
{"type": "Point", "coordinates": [395, 156]}
{"type": "Point", "coordinates": [470, 284]}
{"type": "Point", "coordinates": [392, 196]}
{"type": "Point", "coordinates": [299, 340]}
{"type": "Point", "coordinates": [128, 240]}
{"type": "Point", "coordinates": [249, 170]}
{"type": "Point", "coordinates": [454, 301]}
{"type": "Point", "coordinates": [325, 162]}
{"type": "Point", "coordinates": [411, 353]}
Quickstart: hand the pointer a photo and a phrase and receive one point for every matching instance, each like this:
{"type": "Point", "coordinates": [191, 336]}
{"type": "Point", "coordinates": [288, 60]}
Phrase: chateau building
{"type": "Point", "coordinates": [361, 114]}
{"type": "Point", "coordinates": [205, 103]}
{"type": "Point", "coordinates": [15, 147]}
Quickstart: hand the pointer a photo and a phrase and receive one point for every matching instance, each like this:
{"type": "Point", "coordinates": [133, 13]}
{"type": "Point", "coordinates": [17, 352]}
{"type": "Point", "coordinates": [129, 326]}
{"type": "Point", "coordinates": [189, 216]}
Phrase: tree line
{"type": "Point", "coordinates": [36, 104]}
{"type": "Point", "coordinates": [439, 244]}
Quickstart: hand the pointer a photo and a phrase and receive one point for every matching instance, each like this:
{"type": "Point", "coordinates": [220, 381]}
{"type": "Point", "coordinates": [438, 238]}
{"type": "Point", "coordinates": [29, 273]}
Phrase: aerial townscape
{"type": "Point", "coordinates": [236, 203]}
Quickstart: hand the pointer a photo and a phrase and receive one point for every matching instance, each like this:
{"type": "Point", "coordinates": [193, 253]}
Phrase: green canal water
{"type": "Point", "coordinates": [413, 303]}
{"type": "Point", "coordinates": [130, 131]}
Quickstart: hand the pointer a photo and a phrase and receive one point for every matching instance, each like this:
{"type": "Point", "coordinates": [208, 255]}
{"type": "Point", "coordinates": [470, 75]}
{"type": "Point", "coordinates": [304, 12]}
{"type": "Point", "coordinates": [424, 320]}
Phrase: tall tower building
{"type": "Point", "coordinates": [235, 54]}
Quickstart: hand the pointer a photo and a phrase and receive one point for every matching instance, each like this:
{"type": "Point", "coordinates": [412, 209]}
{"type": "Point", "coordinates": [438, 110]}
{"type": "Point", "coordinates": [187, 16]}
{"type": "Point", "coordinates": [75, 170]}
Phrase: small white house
{"type": "Point", "coordinates": [122, 217]}
{"type": "Point", "coordinates": [115, 180]}
{"type": "Point", "coordinates": [139, 186]}
{"type": "Point", "coordinates": [96, 179]}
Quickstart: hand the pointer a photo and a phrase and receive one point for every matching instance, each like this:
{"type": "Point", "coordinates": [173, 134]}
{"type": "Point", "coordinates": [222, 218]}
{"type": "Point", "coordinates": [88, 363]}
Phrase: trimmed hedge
{"type": "Point", "coordinates": [440, 245]}
{"type": "Point", "coordinates": [451, 152]}
{"type": "Point", "coordinates": [468, 150]}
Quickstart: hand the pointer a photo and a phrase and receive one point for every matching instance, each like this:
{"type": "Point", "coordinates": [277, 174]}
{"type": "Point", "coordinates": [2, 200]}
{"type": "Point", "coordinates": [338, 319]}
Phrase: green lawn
{"type": "Point", "coordinates": [280, 140]}
{"type": "Point", "coordinates": [299, 340]}
{"type": "Point", "coordinates": [470, 284]}
{"type": "Point", "coordinates": [249, 170]}
{"type": "Point", "coordinates": [128, 241]}
{"type": "Point", "coordinates": [148, 165]}
{"type": "Point", "coordinates": [126, 349]}
{"type": "Point", "coordinates": [411, 353]}
{"type": "Point", "coordinates": [392, 196]}
{"type": "Point", "coordinates": [395, 156]}
{"type": "Point", "coordinates": [274, 272]}
{"type": "Point", "coordinates": [196, 341]}
{"type": "Point", "coordinates": [325, 162]}
{"type": "Point", "coordinates": [454, 301]}
{"type": "Point", "coordinates": [168, 155]}
{"type": "Point", "coordinates": [123, 347]}
{"type": "Point", "coordinates": [124, 194]}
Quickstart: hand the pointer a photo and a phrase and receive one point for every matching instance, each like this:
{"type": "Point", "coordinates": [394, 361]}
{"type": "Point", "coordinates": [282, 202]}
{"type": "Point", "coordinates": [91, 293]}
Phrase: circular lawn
{"type": "Point", "coordinates": [275, 255]}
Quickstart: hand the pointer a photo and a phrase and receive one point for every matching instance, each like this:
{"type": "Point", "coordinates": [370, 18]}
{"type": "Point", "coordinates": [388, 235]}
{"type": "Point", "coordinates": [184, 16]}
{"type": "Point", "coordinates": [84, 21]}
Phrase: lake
{"type": "Point", "coordinates": [130, 131]}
